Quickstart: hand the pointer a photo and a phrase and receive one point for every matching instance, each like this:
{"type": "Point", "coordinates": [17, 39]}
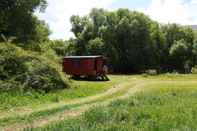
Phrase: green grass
{"type": "Point", "coordinates": [60, 109]}
{"type": "Point", "coordinates": [79, 89]}
{"type": "Point", "coordinates": [13, 100]}
{"type": "Point", "coordinates": [159, 107]}
{"type": "Point", "coordinates": [32, 117]}
{"type": "Point", "coordinates": [171, 77]}
{"type": "Point", "coordinates": [88, 88]}
{"type": "Point", "coordinates": [14, 104]}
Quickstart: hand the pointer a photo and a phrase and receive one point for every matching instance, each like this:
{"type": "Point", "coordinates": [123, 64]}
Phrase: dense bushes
{"type": "Point", "coordinates": [28, 59]}
{"type": "Point", "coordinates": [59, 46]}
{"type": "Point", "coordinates": [9, 85]}
{"type": "Point", "coordinates": [29, 70]}
{"type": "Point", "coordinates": [194, 70]}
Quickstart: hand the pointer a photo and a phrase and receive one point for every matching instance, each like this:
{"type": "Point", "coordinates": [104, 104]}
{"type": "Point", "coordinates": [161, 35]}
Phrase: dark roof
{"type": "Point", "coordinates": [77, 57]}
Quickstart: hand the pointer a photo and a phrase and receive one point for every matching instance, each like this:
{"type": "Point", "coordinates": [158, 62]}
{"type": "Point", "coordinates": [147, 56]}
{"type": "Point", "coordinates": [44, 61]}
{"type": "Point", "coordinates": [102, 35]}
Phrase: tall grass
{"type": "Point", "coordinates": [158, 108]}
{"type": "Point", "coordinates": [78, 89]}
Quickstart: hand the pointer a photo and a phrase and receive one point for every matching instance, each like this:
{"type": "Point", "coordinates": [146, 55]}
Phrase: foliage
{"type": "Point", "coordinates": [30, 70]}
{"type": "Point", "coordinates": [18, 20]}
{"type": "Point", "coordinates": [179, 53]}
{"type": "Point", "coordinates": [132, 41]}
{"type": "Point", "coordinates": [194, 51]}
{"type": "Point", "coordinates": [194, 70]}
{"type": "Point", "coordinates": [59, 46]}
{"type": "Point", "coordinates": [120, 35]}
{"type": "Point", "coordinates": [96, 46]}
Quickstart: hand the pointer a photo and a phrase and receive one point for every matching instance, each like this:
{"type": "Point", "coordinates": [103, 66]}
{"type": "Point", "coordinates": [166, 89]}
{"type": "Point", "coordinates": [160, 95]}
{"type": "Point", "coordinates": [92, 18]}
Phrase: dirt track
{"type": "Point", "coordinates": [128, 89]}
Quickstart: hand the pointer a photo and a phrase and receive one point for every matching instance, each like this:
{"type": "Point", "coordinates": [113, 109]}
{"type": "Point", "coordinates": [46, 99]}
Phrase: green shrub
{"type": "Point", "coordinates": [194, 70]}
{"type": "Point", "coordinates": [56, 98]}
{"type": "Point", "coordinates": [10, 85]}
{"type": "Point", "coordinates": [31, 70]}
{"type": "Point", "coordinates": [57, 46]}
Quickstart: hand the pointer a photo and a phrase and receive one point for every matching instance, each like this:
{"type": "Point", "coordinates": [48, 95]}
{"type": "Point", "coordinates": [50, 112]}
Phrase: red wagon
{"type": "Point", "coordinates": [89, 66]}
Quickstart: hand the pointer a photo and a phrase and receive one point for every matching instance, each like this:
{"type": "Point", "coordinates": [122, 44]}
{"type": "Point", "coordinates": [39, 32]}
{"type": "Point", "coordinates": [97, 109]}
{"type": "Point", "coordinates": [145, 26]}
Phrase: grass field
{"type": "Point", "coordinates": [160, 107]}
{"type": "Point", "coordinates": [127, 102]}
{"type": "Point", "coordinates": [79, 89]}
{"type": "Point", "coordinates": [17, 107]}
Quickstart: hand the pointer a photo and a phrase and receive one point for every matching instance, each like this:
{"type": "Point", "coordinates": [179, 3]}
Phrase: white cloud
{"type": "Point", "coordinates": [173, 11]}
{"type": "Point", "coordinates": [194, 2]}
{"type": "Point", "coordinates": [58, 13]}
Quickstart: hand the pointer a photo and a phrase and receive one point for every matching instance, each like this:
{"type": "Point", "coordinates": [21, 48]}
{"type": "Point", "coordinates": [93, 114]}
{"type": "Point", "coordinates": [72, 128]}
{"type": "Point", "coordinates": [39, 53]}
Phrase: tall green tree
{"type": "Point", "coordinates": [132, 41]}
{"type": "Point", "coordinates": [179, 54]}
{"type": "Point", "coordinates": [17, 20]}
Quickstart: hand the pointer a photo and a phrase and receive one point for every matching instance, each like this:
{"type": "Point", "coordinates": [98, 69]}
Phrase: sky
{"type": "Point", "coordinates": [58, 12]}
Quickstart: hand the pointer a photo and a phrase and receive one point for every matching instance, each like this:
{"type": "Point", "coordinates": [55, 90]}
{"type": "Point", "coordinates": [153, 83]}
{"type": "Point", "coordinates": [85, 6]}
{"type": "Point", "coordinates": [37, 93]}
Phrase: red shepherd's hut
{"type": "Point", "coordinates": [84, 65]}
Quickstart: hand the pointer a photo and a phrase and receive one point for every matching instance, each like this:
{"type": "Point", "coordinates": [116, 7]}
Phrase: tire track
{"type": "Point", "coordinates": [130, 89]}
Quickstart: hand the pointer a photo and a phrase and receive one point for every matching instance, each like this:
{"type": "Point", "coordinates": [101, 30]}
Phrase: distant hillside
{"type": "Point", "coordinates": [194, 27]}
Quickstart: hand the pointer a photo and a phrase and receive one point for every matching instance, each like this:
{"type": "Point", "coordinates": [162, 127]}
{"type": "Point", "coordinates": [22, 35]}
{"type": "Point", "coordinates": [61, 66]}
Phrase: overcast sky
{"type": "Point", "coordinates": [58, 12]}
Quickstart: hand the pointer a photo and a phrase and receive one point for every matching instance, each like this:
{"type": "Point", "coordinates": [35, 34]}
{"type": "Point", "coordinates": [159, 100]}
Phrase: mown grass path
{"type": "Point", "coordinates": [60, 110]}
{"type": "Point", "coordinates": [63, 110]}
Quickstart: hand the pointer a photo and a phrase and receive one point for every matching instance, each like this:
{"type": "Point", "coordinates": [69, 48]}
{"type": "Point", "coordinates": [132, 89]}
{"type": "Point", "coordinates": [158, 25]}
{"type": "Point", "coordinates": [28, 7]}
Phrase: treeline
{"type": "Point", "coordinates": [133, 42]}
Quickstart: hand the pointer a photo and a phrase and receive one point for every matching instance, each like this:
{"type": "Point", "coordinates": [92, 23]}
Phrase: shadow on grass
{"type": "Point", "coordinates": [84, 78]}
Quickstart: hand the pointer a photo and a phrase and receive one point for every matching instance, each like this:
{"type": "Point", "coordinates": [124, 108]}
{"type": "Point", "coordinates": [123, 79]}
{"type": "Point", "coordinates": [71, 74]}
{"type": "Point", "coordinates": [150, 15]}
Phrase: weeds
{"type": "Point", "coordinates": [156, 108]}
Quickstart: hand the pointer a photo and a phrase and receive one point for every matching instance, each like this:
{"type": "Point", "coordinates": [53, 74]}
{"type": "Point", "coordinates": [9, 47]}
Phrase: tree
{"type": "Point", "coordinates": [79, 25]}
{"type": "Point", "coordinates": [17, 19]}
{"type": "Point", "coordinates": [179, 54]}
{"type": "Point", "coordinates": [157, 46]}
{"type": "Point", "coordinates": [194, 52]}
{"type": "Point", "coordinates": [42, 31]}
{"type": "Point", "coordinates": [98, 17]}
{"type": "Point", "coordinates": [132, 41]}
{"type": "Point", "coordinates": [96, 47]}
